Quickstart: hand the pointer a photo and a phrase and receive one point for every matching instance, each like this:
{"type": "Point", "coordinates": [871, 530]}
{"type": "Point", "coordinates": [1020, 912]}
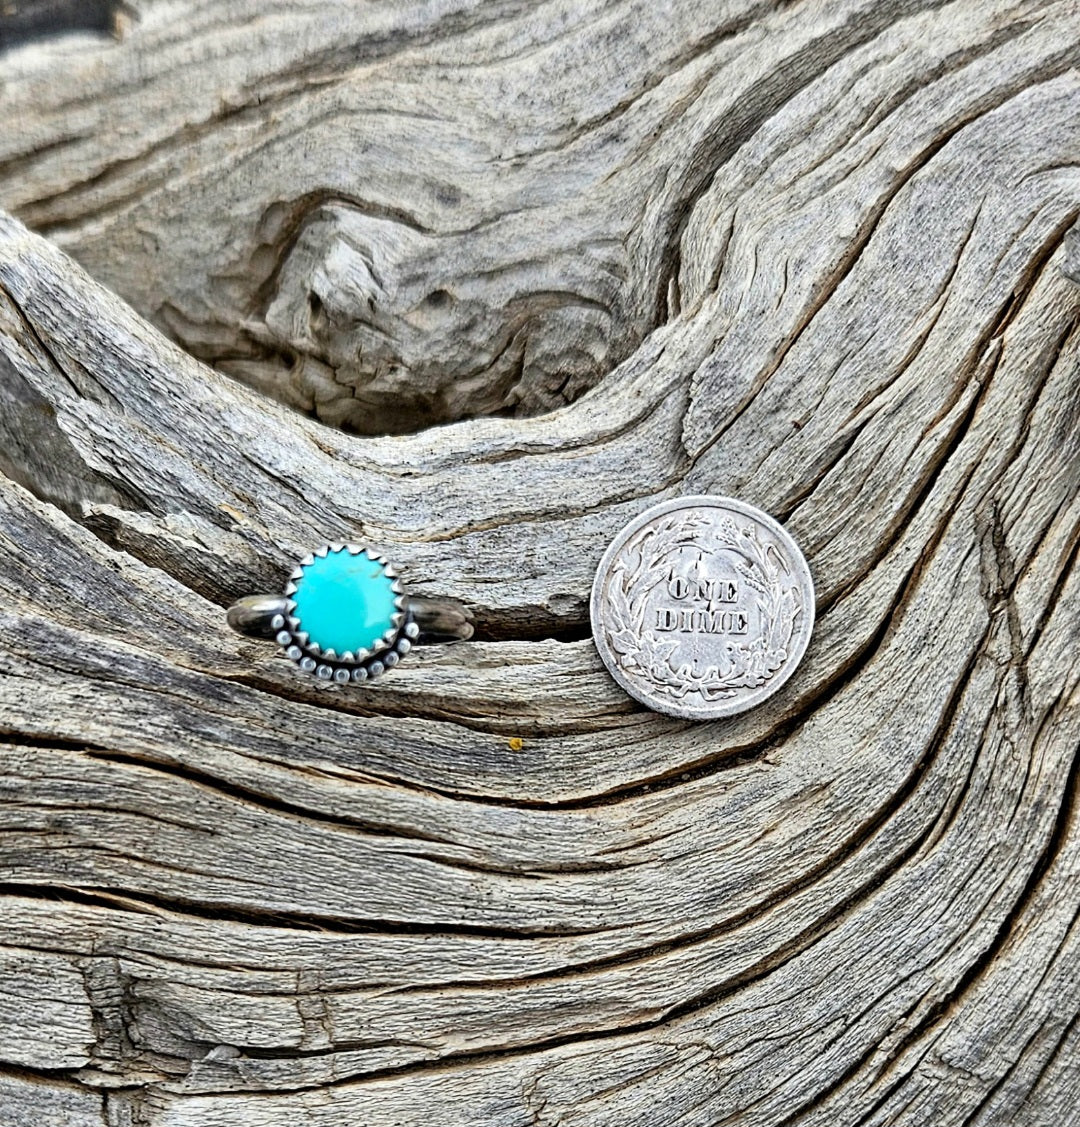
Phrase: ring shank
{"type": "Point", "coordinates": [440, 620]}
{"type": "Point", "coordinates": [254, 615]}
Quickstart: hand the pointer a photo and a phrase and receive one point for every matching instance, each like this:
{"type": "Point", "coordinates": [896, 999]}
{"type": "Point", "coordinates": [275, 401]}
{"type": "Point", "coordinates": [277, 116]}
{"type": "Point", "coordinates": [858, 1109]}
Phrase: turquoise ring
{"type": "Point", "coordinates": [345, 616]}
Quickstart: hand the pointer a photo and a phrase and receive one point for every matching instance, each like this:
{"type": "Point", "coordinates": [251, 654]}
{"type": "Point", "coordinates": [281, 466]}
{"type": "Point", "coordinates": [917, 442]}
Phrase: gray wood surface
{"type": "Point", "coordinates": [820, 256]}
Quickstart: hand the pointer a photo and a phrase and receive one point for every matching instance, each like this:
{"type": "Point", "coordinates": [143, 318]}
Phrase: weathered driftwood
{"type": "Point", "coordinates": [816, 256]}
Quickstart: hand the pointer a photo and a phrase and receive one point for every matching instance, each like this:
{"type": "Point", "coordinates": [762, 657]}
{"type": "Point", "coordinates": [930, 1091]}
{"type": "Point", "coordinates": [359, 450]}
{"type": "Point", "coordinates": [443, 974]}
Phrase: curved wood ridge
{"type": "Point", "coordinates": [820, 256]}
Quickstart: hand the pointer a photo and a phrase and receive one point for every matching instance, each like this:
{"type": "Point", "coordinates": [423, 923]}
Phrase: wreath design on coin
{"type": "Point", "coordinates": [741, 665]}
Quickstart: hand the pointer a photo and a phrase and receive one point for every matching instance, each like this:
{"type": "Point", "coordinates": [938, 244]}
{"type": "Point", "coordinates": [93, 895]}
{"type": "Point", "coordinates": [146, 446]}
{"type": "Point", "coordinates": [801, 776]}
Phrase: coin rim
{"type": "Point", "coordinates": [722, 709]}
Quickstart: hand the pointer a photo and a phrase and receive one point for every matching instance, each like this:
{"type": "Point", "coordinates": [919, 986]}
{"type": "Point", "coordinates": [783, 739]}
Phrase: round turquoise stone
{"type": "Point", "coordinates": [345, 602]}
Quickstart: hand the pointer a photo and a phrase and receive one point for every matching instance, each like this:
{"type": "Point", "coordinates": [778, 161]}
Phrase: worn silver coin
{"type": "Point", "coordinates": [702, 607]}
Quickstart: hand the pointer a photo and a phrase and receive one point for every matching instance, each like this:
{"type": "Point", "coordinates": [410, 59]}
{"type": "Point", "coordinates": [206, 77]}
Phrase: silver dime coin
{"type": "Point", "coordinates": [702, 607]}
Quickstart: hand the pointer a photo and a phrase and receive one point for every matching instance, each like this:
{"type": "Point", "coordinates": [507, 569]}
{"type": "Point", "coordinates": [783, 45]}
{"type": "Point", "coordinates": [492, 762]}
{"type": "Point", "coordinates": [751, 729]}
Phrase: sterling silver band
{"type": "Point", "coordinates": [438, 620]}
{"type": "Point", "coordinates": [353, 652]}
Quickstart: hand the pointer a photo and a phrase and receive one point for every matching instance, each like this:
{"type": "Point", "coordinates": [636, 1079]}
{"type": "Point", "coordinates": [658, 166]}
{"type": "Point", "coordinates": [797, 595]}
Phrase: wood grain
{"type": "Point", "coordinates": [820, 256]}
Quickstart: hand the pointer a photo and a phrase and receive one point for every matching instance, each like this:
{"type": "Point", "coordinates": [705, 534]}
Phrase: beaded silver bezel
{"type": "Point", "coordinates": [363, 665]}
